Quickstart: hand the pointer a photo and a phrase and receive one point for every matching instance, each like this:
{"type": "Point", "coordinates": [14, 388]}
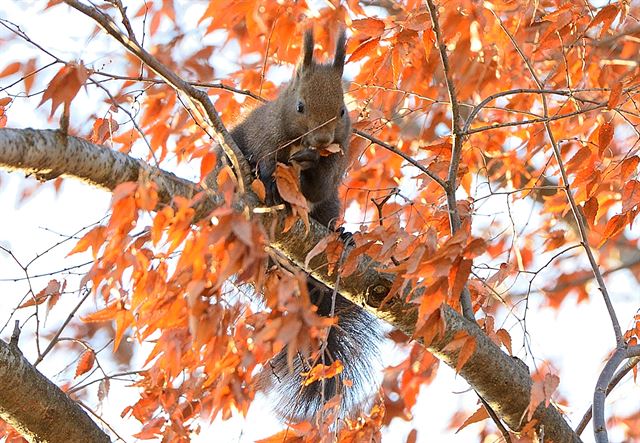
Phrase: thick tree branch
{"type": "Point", "coordinates": [503, 381]}
{"type": "Point", "coordinates": [194, 96]}
{"type": "Point", "coordinates": [624, 370]}
{"type": "Point", "coordinates": [605, 380]}
{"type": "Point", "coordinates": [37, 408]}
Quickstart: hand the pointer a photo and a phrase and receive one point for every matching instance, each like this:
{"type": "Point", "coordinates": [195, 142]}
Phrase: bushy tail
{"type": "Point", "coordinates": [354, 340]}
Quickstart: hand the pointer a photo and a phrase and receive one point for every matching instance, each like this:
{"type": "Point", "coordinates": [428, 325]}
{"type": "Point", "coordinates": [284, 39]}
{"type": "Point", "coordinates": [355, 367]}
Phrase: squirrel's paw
{"type": "Point", "coordinates": [306, 158]}
{"type": "Point", "coordinates": [346, 237]}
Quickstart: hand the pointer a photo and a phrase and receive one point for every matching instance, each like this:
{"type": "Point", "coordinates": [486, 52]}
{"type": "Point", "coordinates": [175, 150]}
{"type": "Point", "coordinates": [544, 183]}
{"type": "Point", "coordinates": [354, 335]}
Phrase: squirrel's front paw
{"type": "Point", "coordinates": [346, 237]}
{"type": "Point", "coordinates": [272, 195]}
{"type": "Point", "coordinates": [306, 158]}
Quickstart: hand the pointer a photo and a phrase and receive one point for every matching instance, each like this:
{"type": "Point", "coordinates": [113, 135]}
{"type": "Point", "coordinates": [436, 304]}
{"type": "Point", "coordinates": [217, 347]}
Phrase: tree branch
{"type": "Point", "coordinates": [37, 408]}
{"type": "Point", "coordinates": [580, 221]}
{"type": "Point", "coordinates": [502, 381]}
{"type": "Point", "coordinates": [194, 96]}
{"type": "Point", "coordinates": [456, 151]}
{"type": "Point", "coordinates": [624, 370]}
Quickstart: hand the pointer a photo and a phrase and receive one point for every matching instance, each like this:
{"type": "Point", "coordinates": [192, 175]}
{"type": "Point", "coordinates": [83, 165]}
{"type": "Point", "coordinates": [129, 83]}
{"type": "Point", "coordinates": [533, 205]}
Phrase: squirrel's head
{"type": "Point", "coordinates": [316, 110]}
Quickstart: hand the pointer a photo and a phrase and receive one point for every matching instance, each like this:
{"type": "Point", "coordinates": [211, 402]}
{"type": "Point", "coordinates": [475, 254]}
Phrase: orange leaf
{"type": "Point", "coordinates": [630, 195]}
{"type": "Point", "coordinates": [505, 339]}
{"type": "Point", "coordinates": [479, 415]}
{"type": "Point", "coordinates": [208, 163]}
{"type": "Point", "coordinates": [333, 148]}
{"type": "Point", "coordinates": [103, 129]}
{"type": "Point", "coordinates": [628, 167]}
{"type": "Point", "coordinates": [614, 95]}
{"type": "Point", "coordinates": [86, 362]}
{"type": "Point", "coordinates": [605, 135]}
{"type": "Point", "coordinates": [606, 16]}
{"type": "Point", "coordinates": [5, 101]}
{"type": "Point", "coordinates": [322, 372]}
{"type": "Point", "coordinates": [458, 276]}
{"type": "Point", "coordinates": [65, 85]}
{"type": "Point", "coordinates": [51, 290]}
{"type": "Point", "coordinates": [258, 188]}
{"type": "Point", "coordinates": [364, 50]}
{"type": "Point", "coordinates": [10, 69]}
{"type": "Point", "coordinates": [542, 390]}
{"type": "Point", "coordinates": [615, 225]}
{"type": "Point", "coordinates": [590, 210]}
{"type": "Point", "coordinates": [466, 352]}
{"type": "Point", "coordinates": [106, 314]}
{"type": "Point", "coordinates": [371, 27]}
{"type": "Point", "coordinates": [288, 185]}
{"type": "Point", "coordinates": [92, 239]}
{"type": "Point", "coordinates": [317, 249]}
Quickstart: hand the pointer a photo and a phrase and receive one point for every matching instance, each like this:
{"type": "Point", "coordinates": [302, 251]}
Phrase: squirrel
{"type": "Point", "coordinates": [308, 115]}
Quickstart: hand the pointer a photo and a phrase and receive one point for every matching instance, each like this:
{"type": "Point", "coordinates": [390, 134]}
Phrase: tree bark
{"type": "Point", "coordinates": [502, 381]}
{"type": "Point", "coordinates": [37, 408]}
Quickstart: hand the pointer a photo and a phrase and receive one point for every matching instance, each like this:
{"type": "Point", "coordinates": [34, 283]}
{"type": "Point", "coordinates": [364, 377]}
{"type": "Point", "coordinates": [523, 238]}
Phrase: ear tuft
{"type": "Point", "coordinates": [338, 60]}
{"type": "Point", "coordinates": [307, 49]}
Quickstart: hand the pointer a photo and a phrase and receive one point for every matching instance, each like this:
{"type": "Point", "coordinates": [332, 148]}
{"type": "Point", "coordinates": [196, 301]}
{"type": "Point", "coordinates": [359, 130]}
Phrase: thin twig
{"type": "Point", "coordinates": [567, 189]}
{"type": "Point", "coordinates": [456, 151]}
{"type": "Point", "coordinates": [196, 97]}
{"type": "Point", "coordinates": [396, 151]}
{"type": "Point", "coordinates": [54, 340]}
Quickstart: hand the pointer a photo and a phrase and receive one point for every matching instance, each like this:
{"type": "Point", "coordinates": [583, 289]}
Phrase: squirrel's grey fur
{"type": "Point", "coordinates": [309, 114]}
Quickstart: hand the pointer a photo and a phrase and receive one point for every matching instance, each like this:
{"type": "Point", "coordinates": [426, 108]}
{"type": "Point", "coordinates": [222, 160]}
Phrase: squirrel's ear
{"type": "Point", "coordinates": [338, 60]}
{"type": "Point", "coordinates": [307, 50]}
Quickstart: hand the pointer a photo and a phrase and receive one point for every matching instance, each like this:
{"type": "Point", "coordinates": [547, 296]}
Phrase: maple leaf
{"type": "Point", "coordinates": [288, 183]}
{"type": "Point", "coordinates": [322, 372]}
{"type": "Point", "coordinates": [480, 414]}
{"type": "Point", "coordinates": [86, 362]}
{"type": "Point", "coordinates": [65, 85]}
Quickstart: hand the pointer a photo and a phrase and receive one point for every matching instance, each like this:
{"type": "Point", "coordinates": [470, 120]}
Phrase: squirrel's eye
{"type": "Point", "coordinates": [300, 107]}
{"type": "Point", "coordinates": [343, 112]}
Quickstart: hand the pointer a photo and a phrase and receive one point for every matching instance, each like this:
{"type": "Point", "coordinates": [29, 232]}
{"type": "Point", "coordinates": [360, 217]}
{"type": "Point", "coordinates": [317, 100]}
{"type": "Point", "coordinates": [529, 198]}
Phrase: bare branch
{"type": "Point", "coordinates": [456, 152]}
{"type": "Point", "coordinates": [194, 96]}
{"type": "Point", "coordinates": [624, 370]}
{"type": "Point", "coordinates": [582, 228]}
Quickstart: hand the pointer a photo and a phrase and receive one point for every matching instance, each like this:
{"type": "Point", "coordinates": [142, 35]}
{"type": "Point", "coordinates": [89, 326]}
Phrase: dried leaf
{"type": "Point", "coordinates": [87, 359]}
{"type": "Point", "coordinates": [65, 85]}
{"type": "Point", "coordinates": [605, 135]}
{"type": "Point", "coordinates": [480, 414]}
{"type": "Point", "coordinates": [370, 27]}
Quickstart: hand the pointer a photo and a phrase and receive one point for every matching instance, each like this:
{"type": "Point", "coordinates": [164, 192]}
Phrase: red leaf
{"type": "Point", "coordinates": [86, 362]}
{"type": "Point", "coordinates": [614, 95]}
{"type": "Point", "coordinates": [208, 163]}
{"type": "Point", "coordinates": [479, 415]}
{"type": "Point", "coordinates": [65, 85]}
{"type": "Point", "coordinates": [371, 27]}
{"type": "Point", "coordinates": [605, 135]}
{"type": "Point", "coordinates": [10, 69]}
{"type": "Point", "coordinates": [364, 50]}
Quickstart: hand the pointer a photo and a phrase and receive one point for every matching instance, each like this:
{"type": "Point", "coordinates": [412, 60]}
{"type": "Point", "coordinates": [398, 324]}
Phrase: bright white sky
{"type": "Point", "coordinates": [576, 339]}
